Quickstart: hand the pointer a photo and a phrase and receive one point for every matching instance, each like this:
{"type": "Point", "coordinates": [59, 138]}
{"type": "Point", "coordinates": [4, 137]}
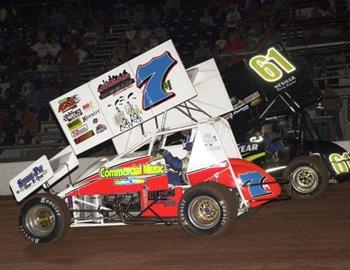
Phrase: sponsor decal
{"type": "Point", "coordinates": [84, 137]}
{"type": "Point", "coordinates": [81, 130]}
{"type": "Point", "coordinates": [255, 102]}
{"type": "Point", "coordinates": [34, 176]}
{"type": "Point", "coordinates": [127, 112]}
{"type": "Point", "coordinates": [115, 84]}
{"type": "Point", "coordinates": [68, 103]}
{"type": "Point", "coordinates": [243, 148]}
{"type": "Point", "coordinates": [77, 123]}
{"type": "Point", "coordinates": [253, 99]}
{"type": "Point", "coordinates": [128, 181]}
{"type": "Point", "coordinates": [239, 107]}
{"type": "Point", "coordinates": [100, 128]}
{"type": "Point", "coordinates": [90, 115]}
{"type": "Point", "coordinates": [157, 194]}
{"type": "Point", "coordinates": [340, 163]}
{"type": "Point", "coordinates": [72, 115]}
{"type": "Point", "coordinates": [88, 106]}
{"type": "Point", "coordinates": [211, 142]}
{"type": "Point", "coordinates": [166, 203]}
{"type": "Point", "coordinates": [283, 85]}
{"type": "Point", "coordinates": [145, 169]}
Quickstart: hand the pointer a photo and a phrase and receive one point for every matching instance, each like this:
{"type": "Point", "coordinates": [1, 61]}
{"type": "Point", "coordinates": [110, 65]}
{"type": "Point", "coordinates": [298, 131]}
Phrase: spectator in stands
{"type": "Point", "coordinates": [89, 40]}
{"type": "Point", "coordinates": [145, 33]}
{"type": "Point", "coordinates": [27, 125]}
{"type": "Point", "coordinates": [332, 6]}
{"type": "Point", "coordinates": [54, 47]}
{"type": "Point", "coordinates": [139, 14]}
{"type": "Point", "coordinates": [160, 32]}
{"type": "Point", "coordinates": [251, 41]}
{"type": "Point", "coordinates": [44, 18]}
{"type": "Point", "coordinates": [58, 20]}
{"type": "Point", "coordinates": [202, 53]}
{"type": "Point", "coordinates": [332, 104]}
{"type": "Point", "coordinates": [119, 9]}
{"type": "Point", "coordinates": [81, 55]}
{"type": "Point", "coordinates": [5, 85]}
{"type": "Point", "coordinates": [152, 41]}
{"type": "Point", "coordinates": [43, 108]}
{"type": "Point", "coordinates": [27, 88]}
{"type": "Point", "coordinates": [103, 21]}
{"type": "Point", "coordinates": [233, 17]}
{"type": "Point", "coordinates": [221, 41]}
{"type": "Point", "coordinates": [130, 33]}
{"type": "Point", "coordinates": [3, 15]}
{"type": "Point", "coordinates": [118, 56]}
{"type": "Point", "coordinates": [41, 47]}
{"type": "Point", "coordinates": [233, 47]}
{"type": "Point", "coordinates": [329, 30]}
{"type": "Point", "coordinates": [70, 58]}
{"type": "Point", "coordinates": [43, 65]}
{"type": "Point", "coordinates": [136, 45]}
{"type": "Point", "coordinates": [207, 19]}
{"type": "Point", "coordinates": [171, 5]}
{"type": "Point", "coordinates": [70, 62]}
{"type": "Point", "coordinates": [3, 65]}
{"type": "Point", "coordinates": [7, 129]}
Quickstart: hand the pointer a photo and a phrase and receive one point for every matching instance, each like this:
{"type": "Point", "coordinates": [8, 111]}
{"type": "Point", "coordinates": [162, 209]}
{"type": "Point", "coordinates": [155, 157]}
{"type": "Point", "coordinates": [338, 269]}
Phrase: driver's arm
{"type": "Point", "coordinates": [173, 162]}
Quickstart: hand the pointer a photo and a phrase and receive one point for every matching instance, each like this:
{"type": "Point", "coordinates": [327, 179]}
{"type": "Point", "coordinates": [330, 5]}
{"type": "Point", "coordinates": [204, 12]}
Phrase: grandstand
{"type": "Point", "coordinates": [50, 48]}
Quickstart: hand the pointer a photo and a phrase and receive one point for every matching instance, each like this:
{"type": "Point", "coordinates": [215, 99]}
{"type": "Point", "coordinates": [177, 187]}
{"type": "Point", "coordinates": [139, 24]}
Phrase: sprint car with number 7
{"type": "Point", "coordinates": [177, 161]}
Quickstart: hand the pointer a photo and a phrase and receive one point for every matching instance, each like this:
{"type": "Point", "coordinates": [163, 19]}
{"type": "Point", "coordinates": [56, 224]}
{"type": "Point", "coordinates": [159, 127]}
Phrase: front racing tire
{"type": "Point", "coordinates": [308, 177]}
{"type": "Point", "coordinates": [44, 218]}
{"type": "Point", "coordinates": [208, 209]}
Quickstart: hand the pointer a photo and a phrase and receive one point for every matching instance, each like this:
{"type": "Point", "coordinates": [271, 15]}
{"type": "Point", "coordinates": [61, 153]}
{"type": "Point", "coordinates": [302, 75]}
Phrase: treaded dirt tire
{"type": "Point", "coordinates": [44, 218]}
{"type": "Point", "coordinates": [308, 176]}
{"type": "Point", "coordinates": [208, 209]}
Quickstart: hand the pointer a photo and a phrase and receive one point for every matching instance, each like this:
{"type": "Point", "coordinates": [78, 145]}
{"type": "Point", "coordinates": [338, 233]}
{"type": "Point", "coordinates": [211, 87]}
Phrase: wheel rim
{"type": "Point", "coordinates": [305, 179]}
{"type": "Point", "coordinates": [204, 212]}
{"type": "Point", "coordinates": [40, 220]}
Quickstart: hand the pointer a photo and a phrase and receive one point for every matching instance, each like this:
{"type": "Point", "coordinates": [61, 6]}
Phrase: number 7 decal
{"type": "Point", "coordinates": [254, 181]}
{"type": "Point", "coordinates": [153, 75]}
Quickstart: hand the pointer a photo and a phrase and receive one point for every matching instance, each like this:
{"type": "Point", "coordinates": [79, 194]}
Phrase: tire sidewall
{"type": "Point", "coordinates": [225, 220]}
{"type": "Point", "coordinates": [59, 219]}
{"type": "Point", "coordinates": [318, 167]}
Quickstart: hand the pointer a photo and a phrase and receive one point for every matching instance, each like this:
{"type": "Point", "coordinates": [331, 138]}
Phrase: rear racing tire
{"type": "Point", "coordinates": [208, 209]}
{"type": "Point", "coordinates": [308, 177]}
{"type": "Point", "coordinates": [44, 218]}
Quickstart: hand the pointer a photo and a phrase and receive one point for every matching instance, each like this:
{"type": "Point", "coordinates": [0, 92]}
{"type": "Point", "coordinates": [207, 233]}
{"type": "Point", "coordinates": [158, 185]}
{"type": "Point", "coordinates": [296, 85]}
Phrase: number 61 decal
{"type": "Point", "coordinates": [270, 66]}
{"type": "Point", "coordinates": [153, 75]}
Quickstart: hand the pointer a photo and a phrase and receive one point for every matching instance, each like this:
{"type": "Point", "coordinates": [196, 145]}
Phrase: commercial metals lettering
{"type": "Point", "coordinates": [146, 169]}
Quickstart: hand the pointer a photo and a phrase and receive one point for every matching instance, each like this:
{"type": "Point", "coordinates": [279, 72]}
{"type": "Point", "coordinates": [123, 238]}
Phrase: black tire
{"type": "Point", "coordinates": [218, 200]}
{"type": "Point", "coordinates": [308, 177]}
{"type": "Point", "coordinates": [53, 214]}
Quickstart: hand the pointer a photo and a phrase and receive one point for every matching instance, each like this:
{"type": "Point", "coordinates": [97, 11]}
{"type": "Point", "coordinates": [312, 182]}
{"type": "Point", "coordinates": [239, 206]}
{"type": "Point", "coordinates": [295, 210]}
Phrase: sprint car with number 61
{"type": "Point", "coordinates": [272, 93]}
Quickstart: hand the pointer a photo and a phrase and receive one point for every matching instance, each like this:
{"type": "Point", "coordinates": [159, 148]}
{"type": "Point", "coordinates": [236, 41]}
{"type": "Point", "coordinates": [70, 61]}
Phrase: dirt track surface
{"type": "Point", "coordinates": [312, 234]}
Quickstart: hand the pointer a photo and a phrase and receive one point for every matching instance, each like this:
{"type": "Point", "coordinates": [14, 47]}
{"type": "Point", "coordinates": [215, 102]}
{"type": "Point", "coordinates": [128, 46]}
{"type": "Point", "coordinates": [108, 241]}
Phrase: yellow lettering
{"type": "Point", "coordinates": [153, 169]}
{"type": "Point", "coordinates": [146, 169]}
{"type": "Point", "coordinates": [266, 69]}
{"type": "Point", "coordinates": [339, 165]}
